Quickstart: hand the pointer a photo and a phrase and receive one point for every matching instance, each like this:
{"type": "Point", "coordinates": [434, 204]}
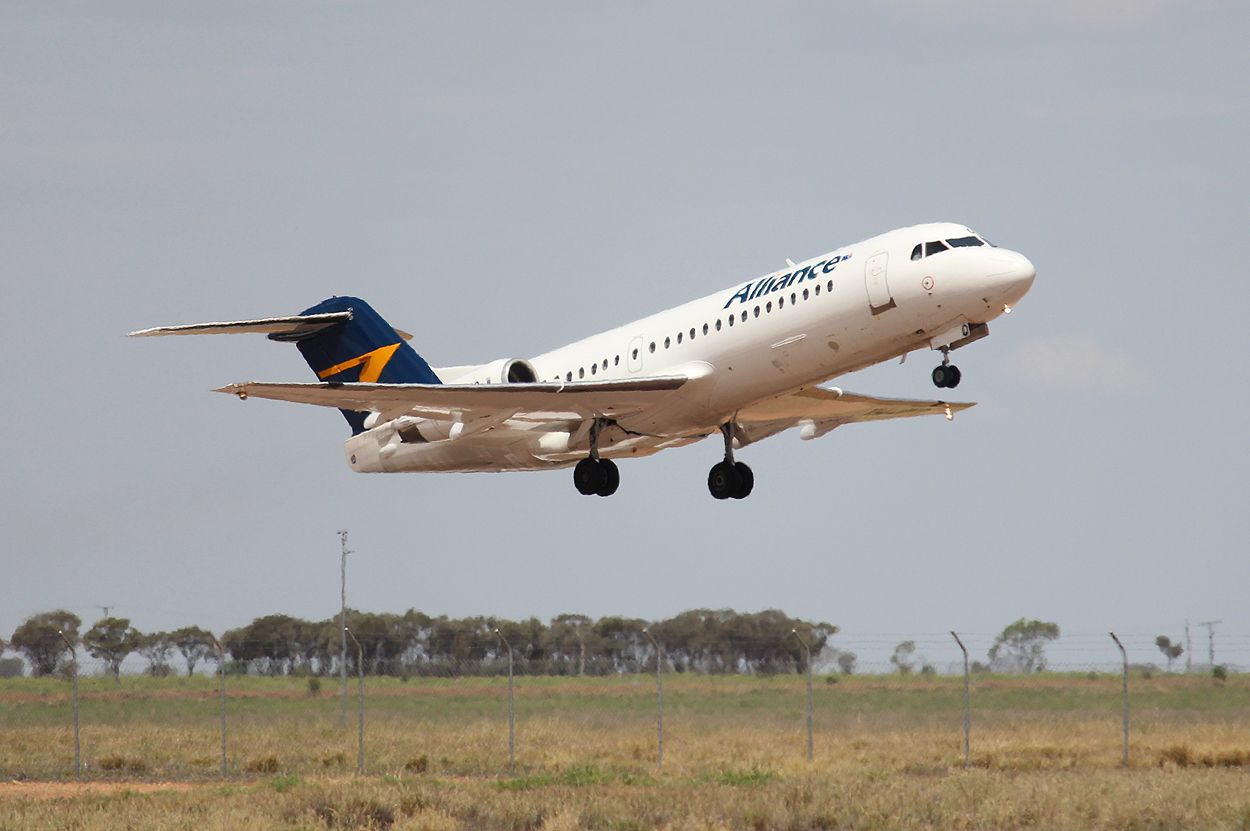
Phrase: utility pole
{"type": "Point", "coordinates": [343, 630]}
{"type": "Point", "coordinates": [1189, 650]}
{"type": "Point", "coordinates": [1210, 624]}
{"type": "Point", "coordinates": [104, 609]}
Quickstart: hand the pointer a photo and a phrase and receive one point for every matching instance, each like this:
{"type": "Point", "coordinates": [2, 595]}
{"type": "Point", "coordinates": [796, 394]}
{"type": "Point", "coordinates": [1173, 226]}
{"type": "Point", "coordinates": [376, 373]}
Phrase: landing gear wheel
{"type": "Point", "coordinates": [588, 477]}
{"type": "Point", "coordinates": [611, 477]}
{"type": "Point", "coordinates": [746, 481]}
{"type": "Point", "coordinates": [947, 376]}
{"type": "Point", "coordinates": [722, 480]}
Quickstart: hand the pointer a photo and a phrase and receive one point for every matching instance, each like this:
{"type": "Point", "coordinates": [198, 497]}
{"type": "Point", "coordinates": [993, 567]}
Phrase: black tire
{"type": "Point", "coordinates": [722, 480]}
{"type": "Point", "coordinates": [746, 481]}
{"type": "Point", "coordinates": [941, 377]}
{"type": "Point", "coordinates": [587, 477]}
{"type": "Point", "coordinates": [611, 477]}
{"type": "Point", "coordinates": [955, 377]}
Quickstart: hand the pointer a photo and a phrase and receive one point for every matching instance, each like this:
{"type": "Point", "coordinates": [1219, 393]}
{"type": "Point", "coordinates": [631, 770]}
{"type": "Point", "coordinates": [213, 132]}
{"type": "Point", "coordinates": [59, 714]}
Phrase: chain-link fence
{"type": "Point", "coordinates": [645, 707]}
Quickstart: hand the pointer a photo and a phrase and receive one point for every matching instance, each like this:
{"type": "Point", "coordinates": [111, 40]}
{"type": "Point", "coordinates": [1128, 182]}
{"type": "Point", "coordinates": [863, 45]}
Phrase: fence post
{"type": "Point", "coordinates": [511, 709]}
{"type": "Point", "coordinates": [808, 652]}
{"type": "Point", "coordinates": [221, 676]}
{"type": "Point", "coordinates": [343, 623]}
{"type": "Point", "coordinates": [73, 655]}
{"type": "Point", "coordinates": [659, 701]}
{"type": "Point", "coordinates": [967, 703]}
{"type": "Point", "coordinates": [1124, 656]}
{"type": "Point", "coordinates": [360, 703]}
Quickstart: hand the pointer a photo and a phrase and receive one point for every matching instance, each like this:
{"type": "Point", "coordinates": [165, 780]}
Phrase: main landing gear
{"type": "Point", "coordinates": [946, 376]}
{"type": "Point", "coordinates": [595, 476]}
{"type": "Point", "coordinates": [730, 479]}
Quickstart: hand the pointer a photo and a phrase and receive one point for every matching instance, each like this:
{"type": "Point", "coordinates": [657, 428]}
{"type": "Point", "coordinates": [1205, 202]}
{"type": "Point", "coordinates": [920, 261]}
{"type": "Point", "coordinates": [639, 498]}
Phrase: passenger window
{"type": "Point", "coordinates": [917, 252]}
{"type": "Point", "coordinates": [931, 248]}
{"type": "Point", "coordinates": [668, 342]}
{"type": "Point", "coordinates": [744, 313]}
{"type": "Point", "coordinates": [605, 364]}
{"type": "Point", "coordinates": [731, 320]}
{"type": "Point", "coordinates": [568, 376]}
{"type": "Point", "coordinates": [817, 289]}
{"type": "Point", "coordinates": [679, 337]}
{"type": "Point", "coordinates": [793, 298]}
{"type": "Point", "coordinates": [593, 368]}
{"type": "Point", "coordinates": [830, 286]}
{"type": "Point", "coordinates": [653, 346]}
{"type": "Point", "coordinates": [581, 373]}
{"type": "Point", "coordinates": [768, 307]}
{"type": "Point", "coordinates": [757, 311]}
{"type": "Point", "coordinates": [804, 294]}
{"type": "Point", "coordinates": [781, 302]}
{"type": "Point", "coordinates": [718, 324]}
{"type": "Point", "coordinates": [616, 360]}
{"type": "Point", "coordinates": [692, 331]}
{"type": "Point", "coordinates": [635, 355]}
{"type": "Point", "coordinates": [705, 328]}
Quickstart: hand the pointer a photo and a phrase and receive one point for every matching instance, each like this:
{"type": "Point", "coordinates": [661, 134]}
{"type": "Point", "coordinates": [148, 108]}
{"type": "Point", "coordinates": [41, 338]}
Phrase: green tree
{"type": "Point", "coordinates": [155, 648]}
{"type": "Point", "coordinates": [1022, 645]}
{"type": "Point", "coordinates": [1170, 650]}
{"type": "Point", "coordinates": [194, 644]}
{"type": "Point", "coordinates": [110, 640]}
{"type": "Point", "coordinates": [903, 655]}
{"type": "Point", "coordinates": [38, 641]}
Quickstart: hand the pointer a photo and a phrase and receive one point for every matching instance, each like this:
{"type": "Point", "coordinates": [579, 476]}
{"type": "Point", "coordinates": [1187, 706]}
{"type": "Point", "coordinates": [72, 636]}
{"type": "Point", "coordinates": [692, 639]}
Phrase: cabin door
{"type": "Point", "coordinates": [879, 299]}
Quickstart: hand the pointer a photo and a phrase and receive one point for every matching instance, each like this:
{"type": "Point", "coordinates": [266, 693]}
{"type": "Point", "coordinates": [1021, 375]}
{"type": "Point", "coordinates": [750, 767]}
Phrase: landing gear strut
{"type": "Point", "coordinates": [946, 376]}
{"type": "Point", "coordinates": [730, 479]}
{"type": "Point", "coordinates": [595, 476]}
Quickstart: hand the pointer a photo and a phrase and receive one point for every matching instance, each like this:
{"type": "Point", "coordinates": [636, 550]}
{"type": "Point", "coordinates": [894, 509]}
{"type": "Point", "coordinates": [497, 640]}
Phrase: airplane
{"type": "Point", "coordinates": [746, 362]}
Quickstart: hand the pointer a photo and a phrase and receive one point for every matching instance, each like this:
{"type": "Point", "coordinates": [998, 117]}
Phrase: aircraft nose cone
{"type": "Point", "coordinates": [1012, 275]}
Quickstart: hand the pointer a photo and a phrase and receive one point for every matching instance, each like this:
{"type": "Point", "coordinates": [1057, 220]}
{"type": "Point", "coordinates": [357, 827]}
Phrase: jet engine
{"type": "Point", "coordinates": [502, 371]}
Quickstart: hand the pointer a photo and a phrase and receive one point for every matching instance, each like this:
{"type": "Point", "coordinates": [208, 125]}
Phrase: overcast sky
{"type": "Point", "coordinates": [503, 179]}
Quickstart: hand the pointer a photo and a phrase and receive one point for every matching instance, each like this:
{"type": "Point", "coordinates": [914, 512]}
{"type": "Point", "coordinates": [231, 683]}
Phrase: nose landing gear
{"type": "Point", "coordinates": [946, 376]}
{"type": "Point", "coordinates": [730, 479]}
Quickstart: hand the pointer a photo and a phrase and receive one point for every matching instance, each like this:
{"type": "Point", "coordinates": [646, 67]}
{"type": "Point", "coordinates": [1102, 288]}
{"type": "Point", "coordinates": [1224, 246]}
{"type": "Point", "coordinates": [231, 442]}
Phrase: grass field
{"type": "Point", "coordinates": [888, 754]}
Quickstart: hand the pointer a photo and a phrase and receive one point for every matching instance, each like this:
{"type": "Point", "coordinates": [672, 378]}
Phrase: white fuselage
{"type": "Point", "coordinates": [796, 327]}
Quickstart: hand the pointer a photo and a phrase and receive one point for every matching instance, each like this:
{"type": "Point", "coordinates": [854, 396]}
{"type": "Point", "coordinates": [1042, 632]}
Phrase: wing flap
{"type": "Point", "coordinates": [530, 401]}
{"type": "Point", "coordinates": [821, 409]}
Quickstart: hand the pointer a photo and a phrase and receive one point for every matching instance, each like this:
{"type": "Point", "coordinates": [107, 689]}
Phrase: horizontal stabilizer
{"type": "Point", "coordinates": [527, 401]}
{"type": "Point", "coordinates": [287, 328]}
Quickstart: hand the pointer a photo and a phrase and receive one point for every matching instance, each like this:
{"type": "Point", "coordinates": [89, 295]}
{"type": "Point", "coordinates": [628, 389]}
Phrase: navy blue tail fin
{"type": "Point", "coordinates": [365, 349]}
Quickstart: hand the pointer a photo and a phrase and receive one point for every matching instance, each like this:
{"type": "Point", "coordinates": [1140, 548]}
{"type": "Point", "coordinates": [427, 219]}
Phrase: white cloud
{"type": "Point", "coordinates": [1078, 362]}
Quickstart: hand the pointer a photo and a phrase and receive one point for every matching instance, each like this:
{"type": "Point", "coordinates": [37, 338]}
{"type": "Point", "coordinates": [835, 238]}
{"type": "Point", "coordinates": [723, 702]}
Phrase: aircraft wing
{"type": "Point", "coordinates": [817, 410]}
{"type": "Point", "coordinates": [531, 401]}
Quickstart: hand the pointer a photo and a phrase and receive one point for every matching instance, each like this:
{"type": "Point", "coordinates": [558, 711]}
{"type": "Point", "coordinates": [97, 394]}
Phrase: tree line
{"type": "Point", "coordinates": [416, 644]}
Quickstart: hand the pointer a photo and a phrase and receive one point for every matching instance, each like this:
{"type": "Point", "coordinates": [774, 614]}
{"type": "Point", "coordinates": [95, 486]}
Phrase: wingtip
{"type": "Point", "coordinates": [234, 389]}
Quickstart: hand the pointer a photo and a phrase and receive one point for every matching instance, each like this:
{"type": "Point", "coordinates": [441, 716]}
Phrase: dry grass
{"type": "Point", "coordinates": [1046, 754]}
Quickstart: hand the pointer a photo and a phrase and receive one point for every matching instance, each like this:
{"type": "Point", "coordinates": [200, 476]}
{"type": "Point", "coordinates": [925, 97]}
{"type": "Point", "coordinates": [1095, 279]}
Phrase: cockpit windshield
{"type": "Point", "coordinates": [928, 249]}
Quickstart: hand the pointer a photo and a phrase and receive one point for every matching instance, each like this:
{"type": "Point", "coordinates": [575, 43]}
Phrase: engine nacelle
{"type": "Point", "coordinates": [502, 371]}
